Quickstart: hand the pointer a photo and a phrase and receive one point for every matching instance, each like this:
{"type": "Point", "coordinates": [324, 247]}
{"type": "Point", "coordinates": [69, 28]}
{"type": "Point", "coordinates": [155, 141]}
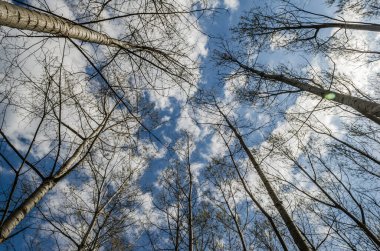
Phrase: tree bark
{"type": "Point", "coordinates": [21, 18]}
{"type": "Point", "coordinates": [291, 226]}
{"type": "Point", "coordinates": [350, 26]}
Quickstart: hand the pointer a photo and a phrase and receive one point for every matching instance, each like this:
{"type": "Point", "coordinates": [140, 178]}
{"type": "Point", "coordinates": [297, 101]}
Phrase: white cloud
{"type": "Point", "coordinates": [231, 4]}
{"type": "Point", "coordinates": [186, 123]}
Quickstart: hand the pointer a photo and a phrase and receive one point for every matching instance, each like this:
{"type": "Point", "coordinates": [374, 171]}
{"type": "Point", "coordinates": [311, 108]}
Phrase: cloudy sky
{"type": "Point", "coordinates": [171, 103]}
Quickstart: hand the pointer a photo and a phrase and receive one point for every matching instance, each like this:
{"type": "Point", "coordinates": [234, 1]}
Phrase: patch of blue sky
{"type": "Point", "coordinates": [167, 135]}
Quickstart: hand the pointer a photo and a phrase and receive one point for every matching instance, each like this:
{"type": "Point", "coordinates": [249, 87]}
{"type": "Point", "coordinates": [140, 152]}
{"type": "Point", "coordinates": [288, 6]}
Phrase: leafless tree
{"type": "Point", "coordinates": [264, 83]}
{"type": "Point", "coordinates": [176, 200]}
{"type": "Point", "coordinates": [213, 107]}
{"type": "Point", "coordinates": [291, 27]}
{"type": "Point", "coordinates": [364, 8]}
{"type": "Point", "coordinates": [102, 212]}
{"type": "Point", "coordinates": [74, 108]}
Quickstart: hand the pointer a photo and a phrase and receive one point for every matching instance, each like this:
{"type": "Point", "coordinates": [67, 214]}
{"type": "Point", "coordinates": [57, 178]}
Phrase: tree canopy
{"type": "Point", "coordinates": [189, 125]}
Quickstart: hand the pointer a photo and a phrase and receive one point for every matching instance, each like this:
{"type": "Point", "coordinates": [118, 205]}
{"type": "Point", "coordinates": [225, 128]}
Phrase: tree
{"type": "Point", "coordinates": [294, 28]}
{"type": "Point", "coordinates": [250, 194]}
{"type": "Point", "coordinates": [297, 237]}
{"type": "Point", "coordinates": [18, 214]}
{"type": "Point", "coordinates": [290, 27]}
{"type": "Point", "coordinates": [315, 178]}
{"type": "Point", "coordinates": [21, 18]}
{"type": "Point", "coordinates": [364, 8]}
{"type": "Point", "coordinates": [79, 109]}
{"type": "Point", "coordinates": [214, 108]}
{"type": "Point", "coordinates": [101, 212]}
{"type": "Point", "coordinates": [176, 199]}
{"type": "Point", "coordinates": [11, 220]}
{"type": "Point", "coordinates": [267, 79]}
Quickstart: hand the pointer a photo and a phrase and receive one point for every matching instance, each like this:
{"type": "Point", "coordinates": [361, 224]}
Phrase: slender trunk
{"type": "Point", "coordinates": [82, 245]}
{"type": "Point", "coordinates": [335, 204]}
{"type": "Point", "coordinates": [235, 220]}
{"type": "Point", "coordinates": [177, 229]}
{"type": "Point", "coordinates": [369, 109]}
{"type": "Point", "coordinates": [318, 26]}
{"type": "Point", "coordinates": [20, 212]}
{"type": "Point", "coordinates": [256, 202]}
{"type": "Point", "coordinates": [190, 213]}
{"type": "Point", "coordinates": [294, 232]}
{"type": "Point", "coordinates": [189, 198]}
{"type": "Point", "coordinates": [21, 18]}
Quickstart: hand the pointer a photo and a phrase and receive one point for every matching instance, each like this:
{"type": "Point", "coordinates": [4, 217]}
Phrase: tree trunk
{"type": "Point", "coordinates": [367, 108]}
{"type": "Point", "coordinates": [235, 220]}
{"type": "Point", "coordinates": [20, 212]}
{"type": "Point", "coordinates": [350, 26]}
{"type": "Point", "coordinates": [256, 202]}
{"type": "Point", "coordinates": [189, 197]}
{"type": "Point", "coordinates": [21, 18]}
{"type": "Point", "coordinates": [335, 204]}
{"type": "Point", "coordinates": [294, 232]}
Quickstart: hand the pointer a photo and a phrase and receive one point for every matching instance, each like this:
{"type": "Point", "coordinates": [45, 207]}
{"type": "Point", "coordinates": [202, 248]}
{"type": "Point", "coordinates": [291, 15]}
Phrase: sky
{"type": "Point", "coordinates": [172, 108]}
{"type": "Point", "coordinates": [218, 29]}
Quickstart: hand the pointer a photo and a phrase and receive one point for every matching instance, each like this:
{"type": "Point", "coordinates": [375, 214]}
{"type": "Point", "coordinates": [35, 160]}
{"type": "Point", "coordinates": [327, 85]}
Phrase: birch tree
{"type": "Point", "coordinates": [214, 107]}
{"type": "Point", "coordinates": [25, 19]}
{"type": "Point", "coordinates": [297, 237]}
{"type": "Point", "coordinates": [239, 172]}
{"type": "Point", "coordinates": [291, 27]}
{"type": "Point", "coordinates": [48, 181]}
{"type": "Point", "coordinates": [102, 212]}
{"type": "Point", "coordinates": [270, 84]}
{"type": "Point", "coordinates": [94, 98]}
{"type": "Point", "coordinates": [309, 36]}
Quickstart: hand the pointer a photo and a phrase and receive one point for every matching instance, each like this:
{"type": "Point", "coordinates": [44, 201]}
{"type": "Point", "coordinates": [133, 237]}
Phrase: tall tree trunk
{"type": "Point", "coordinates": [189, 198]}
{"type": "Point", "coordinates": [177, 219]}
{"type": "Point", "coordinates": [335, 204]}
{"type": "Point", "coordinates": [291, 226]}
{"type": "Point", "coordinates": [256, 202]}
{"type": "Point", "coordinates": [367, 108]}
{"type": "Point", "coordinates": [190, 209]}
{"type": "Point", "coordinates": [235, 220]}
{"type": "Point", "coordinates": [20, 212]}
{"type": "Point", "coordinates": [18, 17]}
{"type": "Point", "coordinates": [318, 26]}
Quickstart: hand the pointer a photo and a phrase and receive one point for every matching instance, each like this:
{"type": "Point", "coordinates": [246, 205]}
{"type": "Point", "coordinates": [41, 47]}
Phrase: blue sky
{"type": "Point", "coordinates": [216, 26]}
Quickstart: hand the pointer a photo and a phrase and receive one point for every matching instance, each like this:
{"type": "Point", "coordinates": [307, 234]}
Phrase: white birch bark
{"type": "Point", "coordinates": [21, 18]}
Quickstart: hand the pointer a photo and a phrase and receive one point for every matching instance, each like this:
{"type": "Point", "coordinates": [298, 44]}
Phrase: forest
{"type": "Point", "coordinates": [189, 125]}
